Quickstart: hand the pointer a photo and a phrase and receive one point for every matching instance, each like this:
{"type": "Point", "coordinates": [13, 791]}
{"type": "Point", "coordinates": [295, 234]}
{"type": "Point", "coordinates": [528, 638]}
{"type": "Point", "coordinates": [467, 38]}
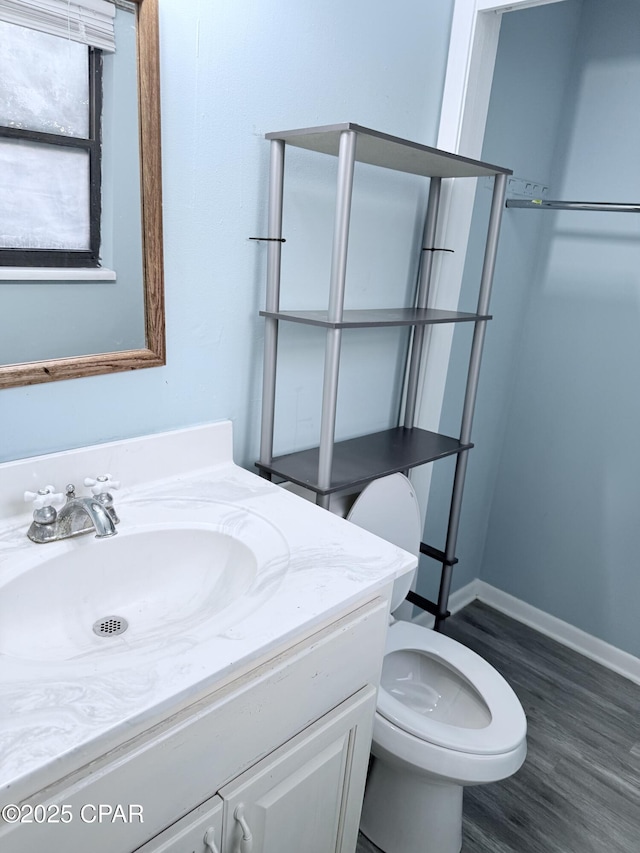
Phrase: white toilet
{"type": "Point", "coordinates": [445, 717]}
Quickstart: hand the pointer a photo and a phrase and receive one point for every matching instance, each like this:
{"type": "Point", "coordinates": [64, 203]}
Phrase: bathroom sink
{"type": "Point", "coordinates": [150, 586]}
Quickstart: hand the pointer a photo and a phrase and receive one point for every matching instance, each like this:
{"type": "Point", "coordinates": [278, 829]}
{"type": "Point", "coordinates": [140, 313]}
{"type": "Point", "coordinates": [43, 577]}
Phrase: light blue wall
{"type": "Point", "coordinates": [563, 531]}
{"type": "Point", "coordinates": [231, 71]}
{"type": "Point", "coordinates": [527, 99]}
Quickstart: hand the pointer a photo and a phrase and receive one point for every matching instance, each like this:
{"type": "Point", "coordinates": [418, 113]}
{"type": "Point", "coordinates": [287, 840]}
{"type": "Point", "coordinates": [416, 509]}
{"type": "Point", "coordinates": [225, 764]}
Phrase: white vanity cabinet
{"type": "Point", "coordinates": [282, 748]}
{"type": "Point", "coordinates": [304, 796]}
{"type": "Point", "coordinates": [307, 795]}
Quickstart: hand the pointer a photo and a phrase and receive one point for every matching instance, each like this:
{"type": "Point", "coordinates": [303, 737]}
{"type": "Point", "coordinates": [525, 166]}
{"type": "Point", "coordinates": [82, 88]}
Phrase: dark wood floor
{"type": "Point", "coordinates": [579, 788]}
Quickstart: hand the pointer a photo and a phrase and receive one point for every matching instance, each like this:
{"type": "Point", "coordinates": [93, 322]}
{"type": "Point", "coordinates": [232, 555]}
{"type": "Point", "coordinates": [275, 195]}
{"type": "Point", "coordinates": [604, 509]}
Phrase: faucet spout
{"type": "Point", "coordinates": [81, 514]}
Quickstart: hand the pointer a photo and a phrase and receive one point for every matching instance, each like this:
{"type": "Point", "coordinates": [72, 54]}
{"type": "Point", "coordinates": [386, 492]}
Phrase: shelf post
{"type": "Point", "coordinates": [346, 163]}
{"type": "Point", "coordinates": [422, 300]}
{"type": "Point", "coordinates": [274, 252]}
{"type": "Point", "coordinates": [484, 297]}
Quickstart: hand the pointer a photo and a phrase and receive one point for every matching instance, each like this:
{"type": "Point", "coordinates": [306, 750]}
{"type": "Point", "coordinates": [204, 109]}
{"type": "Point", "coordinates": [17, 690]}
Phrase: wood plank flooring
{"type": "Point", "coordinates": [579, 788]}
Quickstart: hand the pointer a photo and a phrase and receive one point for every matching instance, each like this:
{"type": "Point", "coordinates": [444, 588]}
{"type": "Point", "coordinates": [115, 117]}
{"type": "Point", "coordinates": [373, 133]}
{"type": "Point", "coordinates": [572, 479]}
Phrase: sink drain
{"type": "Point", "coordinates": [109, 626]}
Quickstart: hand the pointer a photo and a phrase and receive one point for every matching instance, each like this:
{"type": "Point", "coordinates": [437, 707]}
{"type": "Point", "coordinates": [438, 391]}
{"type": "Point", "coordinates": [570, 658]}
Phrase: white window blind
{"type": "Point", "coordinates": [89, 22]}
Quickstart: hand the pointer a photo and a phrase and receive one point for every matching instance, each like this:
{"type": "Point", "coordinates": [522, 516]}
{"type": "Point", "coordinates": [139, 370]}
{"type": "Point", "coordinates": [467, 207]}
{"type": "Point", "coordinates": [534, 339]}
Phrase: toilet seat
{"type": "Point", "coordinates": [507, 727]}
{"type": "Point", "coordinates": [388, 507]}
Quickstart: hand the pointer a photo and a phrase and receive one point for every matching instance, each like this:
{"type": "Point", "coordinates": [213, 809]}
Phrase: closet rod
{"type": "Point", "coordinates": [543, 204]}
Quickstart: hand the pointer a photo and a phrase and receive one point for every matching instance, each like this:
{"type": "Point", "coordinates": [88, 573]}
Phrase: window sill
{"type": "Point", "coordinates": [56, 274]}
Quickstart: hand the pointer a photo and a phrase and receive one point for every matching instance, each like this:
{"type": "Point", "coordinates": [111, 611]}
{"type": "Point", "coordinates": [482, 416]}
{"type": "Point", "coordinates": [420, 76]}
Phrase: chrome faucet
{"type": "Point", "coordinates": [78, 515]}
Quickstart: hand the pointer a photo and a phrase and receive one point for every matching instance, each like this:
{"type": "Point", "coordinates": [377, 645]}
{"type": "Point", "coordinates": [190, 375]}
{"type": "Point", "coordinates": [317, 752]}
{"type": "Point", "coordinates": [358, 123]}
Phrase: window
{"type": "Point", "coordinates": [50, 135]}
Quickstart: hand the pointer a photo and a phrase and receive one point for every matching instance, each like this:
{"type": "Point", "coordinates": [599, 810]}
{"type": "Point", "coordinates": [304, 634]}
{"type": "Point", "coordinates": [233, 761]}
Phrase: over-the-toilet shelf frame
{"type": "Point", "coordinates": [349, 465]}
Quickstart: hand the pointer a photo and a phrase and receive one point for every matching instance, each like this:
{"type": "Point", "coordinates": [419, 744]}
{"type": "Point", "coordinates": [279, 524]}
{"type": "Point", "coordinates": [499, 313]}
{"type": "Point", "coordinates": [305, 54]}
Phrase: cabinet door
{"type": "Point", "coordinates": [198, 832]}
{"type": "Point", "coordinates": [307, 795]}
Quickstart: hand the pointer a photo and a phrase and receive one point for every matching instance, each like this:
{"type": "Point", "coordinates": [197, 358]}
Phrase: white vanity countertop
{"type": "Point", "coordinates": [57, 715]}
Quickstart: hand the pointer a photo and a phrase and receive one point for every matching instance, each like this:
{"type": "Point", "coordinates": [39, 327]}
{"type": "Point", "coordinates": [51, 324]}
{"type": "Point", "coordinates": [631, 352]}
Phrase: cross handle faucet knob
{"type": "Point", "coordinates": [103, 483]}
{"type": "Point", "coordinates": [44, 497]}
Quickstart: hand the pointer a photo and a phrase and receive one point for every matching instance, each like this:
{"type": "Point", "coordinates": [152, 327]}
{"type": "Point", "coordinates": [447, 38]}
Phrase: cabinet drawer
{"type": "Point", "coordinates": [185, 760]}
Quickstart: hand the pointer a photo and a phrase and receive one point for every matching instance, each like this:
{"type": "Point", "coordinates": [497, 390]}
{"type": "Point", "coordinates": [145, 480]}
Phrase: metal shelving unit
{"type": "Point", "coordinates": [338, 466]}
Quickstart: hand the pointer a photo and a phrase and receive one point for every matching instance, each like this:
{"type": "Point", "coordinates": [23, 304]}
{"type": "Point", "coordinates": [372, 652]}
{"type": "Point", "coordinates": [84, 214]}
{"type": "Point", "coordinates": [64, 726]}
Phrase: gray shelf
{"type": "Point", "coordinates": [366, 318]}
{"type": "Point", "coordinates": [389, 152]}
{"type": "Point", "coordinates": [358, 461]}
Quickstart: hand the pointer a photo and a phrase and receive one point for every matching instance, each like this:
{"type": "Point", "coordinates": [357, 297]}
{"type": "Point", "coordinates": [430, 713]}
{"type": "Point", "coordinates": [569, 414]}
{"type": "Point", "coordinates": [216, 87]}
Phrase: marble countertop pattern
{"type": "Point", "coordinates": [56, 715]}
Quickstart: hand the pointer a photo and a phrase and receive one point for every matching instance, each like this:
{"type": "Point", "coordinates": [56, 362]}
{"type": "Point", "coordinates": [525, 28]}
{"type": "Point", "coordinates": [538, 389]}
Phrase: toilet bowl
{"type": "Point", "coordinates": [445, 717]}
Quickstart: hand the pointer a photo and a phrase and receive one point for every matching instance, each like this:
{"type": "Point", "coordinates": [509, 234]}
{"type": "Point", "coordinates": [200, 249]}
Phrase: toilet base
{"type": "Point", "coordinates": [404, 812]}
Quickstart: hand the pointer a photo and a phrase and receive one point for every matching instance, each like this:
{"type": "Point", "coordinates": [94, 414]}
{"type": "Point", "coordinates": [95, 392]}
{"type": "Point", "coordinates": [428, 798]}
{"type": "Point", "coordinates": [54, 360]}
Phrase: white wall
{"type": "Point", "coordinates": [231, 71]}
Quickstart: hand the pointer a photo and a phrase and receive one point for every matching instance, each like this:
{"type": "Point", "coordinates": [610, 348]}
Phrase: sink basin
{"type": "Point", "coordinates": [150, 585]}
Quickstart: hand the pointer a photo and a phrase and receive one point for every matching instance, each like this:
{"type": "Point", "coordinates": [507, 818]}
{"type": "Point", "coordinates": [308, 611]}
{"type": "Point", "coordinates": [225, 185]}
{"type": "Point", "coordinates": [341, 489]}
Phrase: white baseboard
{"type": "Point", "coordinates": [591, 647]}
